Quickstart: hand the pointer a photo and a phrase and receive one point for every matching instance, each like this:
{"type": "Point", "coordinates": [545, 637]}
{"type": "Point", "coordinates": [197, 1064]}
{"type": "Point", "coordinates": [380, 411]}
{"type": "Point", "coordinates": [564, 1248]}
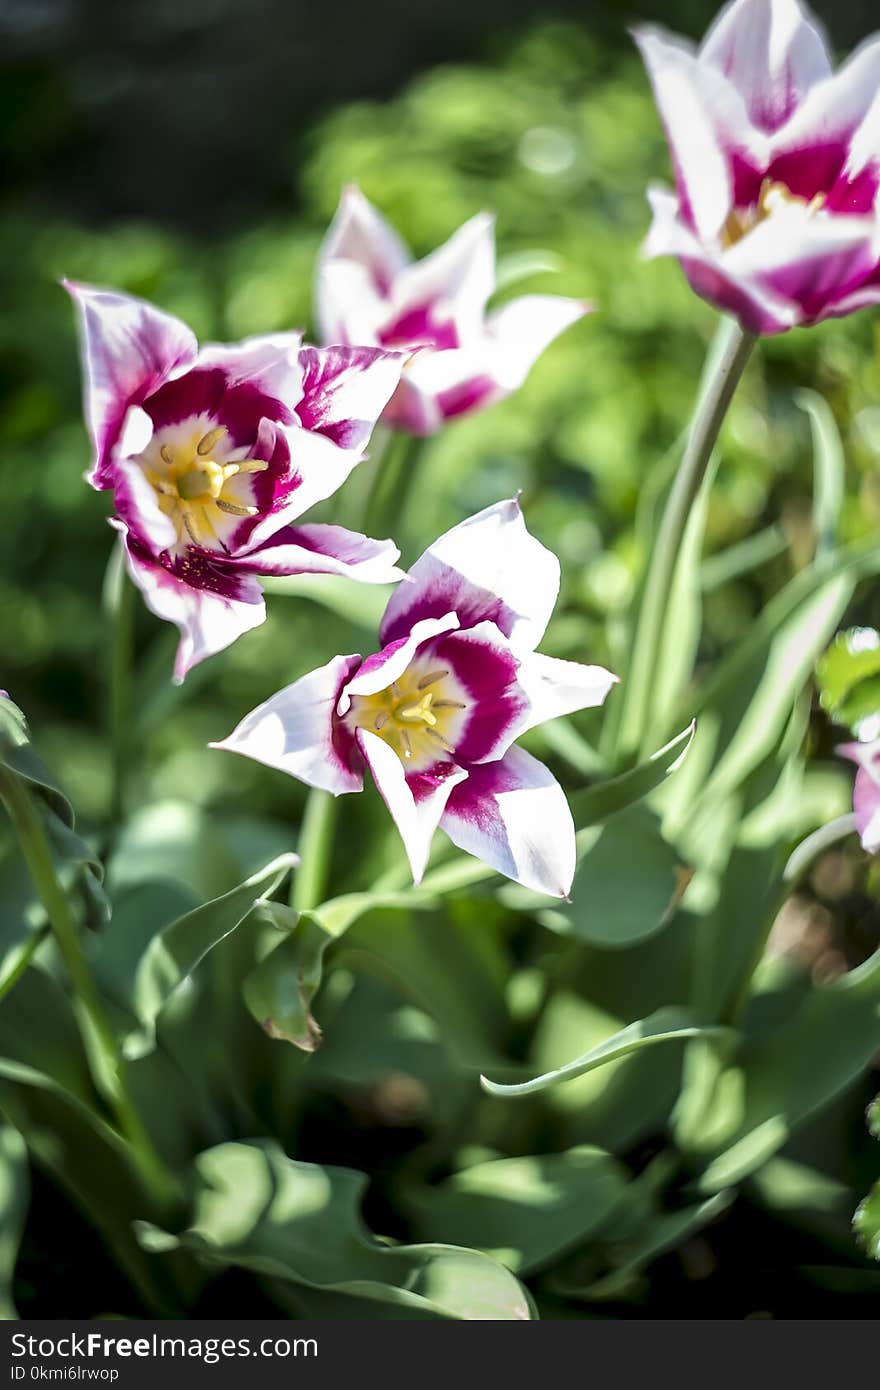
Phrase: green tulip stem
{"type": "Point", "coordinates": [392, 485]}
{"type": "Point", "coordinates": [315, 851]}
{"type": "Point", "coordinates": [119, 598]}
{"type": "Point", "coordinates": [100, 1042]}
{"type": "Point", "coordinates": [635, 736]}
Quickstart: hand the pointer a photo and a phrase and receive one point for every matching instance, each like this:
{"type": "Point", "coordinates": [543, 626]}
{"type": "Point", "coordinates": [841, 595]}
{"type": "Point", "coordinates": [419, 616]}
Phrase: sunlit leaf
{"type": "Point", "coordinates": [596, 803]}
{"type": "Point", "coordinates": [600, 911]}
{"type": "Point", "coordinates": [279, 991]}
{"type": "Point", "coordinates": [256, 1208]}
{"type": "Point", "coordinates": [848, 675]}
{"type": "Point", "coordinates": [670, 1024]}
{"type": "Point", "coordinates": [829, 469]}
{"type": "Point", "coordinates": [174, 953]}
{"type": "Point", "coordinates": [525, 1211]}
{"type": "Point", "coordinates": [795, 1070]}
{"type": "Point", "coordinates": [76, 863]}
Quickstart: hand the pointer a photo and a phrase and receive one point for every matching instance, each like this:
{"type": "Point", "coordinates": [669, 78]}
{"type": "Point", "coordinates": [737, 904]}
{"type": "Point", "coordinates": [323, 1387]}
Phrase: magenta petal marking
{"type": "Point", "coordinates": [345, 390]}
{"type": "Point", "coordinates": [239, 406]}
{"type": "Point", "coordinates": [513, 815]}
{"type": "Point", "coordinates": [129, 349]}
{"type": "Point", "coordinates": [486, 669]}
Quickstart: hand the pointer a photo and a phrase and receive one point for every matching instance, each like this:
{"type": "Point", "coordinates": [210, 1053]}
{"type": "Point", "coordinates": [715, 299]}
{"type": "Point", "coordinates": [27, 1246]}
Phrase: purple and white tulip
{"type": "Point", "coordinates": [433, 716]}
{"type": "Point", "coordinates": [212, 454]}
{"type": "Point", "coordinates": [866, 793]}
{"type": "Point", "coordinates": [775, 217]}
{"type": "Point", "coordinates": [369, 290]}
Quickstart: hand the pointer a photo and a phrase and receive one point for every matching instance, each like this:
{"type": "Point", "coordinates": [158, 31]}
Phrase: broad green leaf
{"type": "Point", "coordinates": [453, 970]}
{"type": "Point", "coordinates": [175, 952]}
{"type": "Point", "coordinates": [173, 840]}
{"type": "Point", "coordinates": [829, 469]}
{"type": "Point", "coordinates": [14, 1196]}
{"type": "Point", "coordinates": [630, 1251]}
{"type": "Point", "coordinates": [610, 905]}
{"type": "Point", "coordinates": [256, 1208]}
{"type": "Point", "coordinates": [848, 675]}
{"type": "Point", "coordinates": [526, 1211]}
{"type": "Point", "coordinates": [279, 991]}
{"type": "Point", "coordinates": [182, 843]}
{"type": "Point", "coordinates": [40, 1046]}
{"type": "Point", "coordinates": [806, 1198]}
{"type": "Point", "coordinates": [17, 753]}
{"type": "Point", "coordinates": [76, 863]}
{"type": "Point", "coordinates": [673, 1023]}
{"type": "Point", "coordinates": [46, 1090]}
{"type": "Point", "coordinates": [23, 921]}
{"type": "Point", "coordinates": [596, 803]}
{"type": "Point", "coordinates": [792, 1072]}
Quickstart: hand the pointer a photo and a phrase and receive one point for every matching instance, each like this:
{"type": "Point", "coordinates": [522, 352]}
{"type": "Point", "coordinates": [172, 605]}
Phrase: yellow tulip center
{"type": "Point", "coordinates": [773, 197]}
{"type": "Point", "coordinates": [415, 715]}
{"type": "Point", "coordinates": [193, 487]}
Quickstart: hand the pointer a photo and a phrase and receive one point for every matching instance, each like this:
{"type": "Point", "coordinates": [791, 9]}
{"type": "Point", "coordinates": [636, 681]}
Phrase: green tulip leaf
{"type": "Point", "coordinates": [175, 952]}
{"type": "Point", "coordinates": [525, 1212]}
{"type": "Point", "coordinates": [76, 863]}
{"type": "Point", "coordinates": [670, 1024]}
{"type": "Point", "coordinates": [792, 1073]}
{"type": "Point", "coordinates": [597, 803]}
{"type": "Point", "coordinates": [829, 469]}
{"type": "Point", "coordinates": [279, 991]}
{"type": "Point", "coordinates": [300, 1223]}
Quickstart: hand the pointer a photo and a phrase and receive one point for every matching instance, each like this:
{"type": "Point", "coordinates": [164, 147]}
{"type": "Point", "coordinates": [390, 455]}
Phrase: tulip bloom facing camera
{"type": "Point", "coordinates": [212, 453]}
{"type": "Point", "coordinates": [777, 166]}
{"type": "Point", "coordinates": [463, 358]}
{"type": "Point", "coordinates": [866, 793]}
{"type": "Point", "coordinates": [434, 715]}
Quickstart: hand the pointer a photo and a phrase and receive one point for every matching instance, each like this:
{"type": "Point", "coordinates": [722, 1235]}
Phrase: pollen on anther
{"type": "Point", "coordinates": [381, 721]}
{"type": "Point", "coordinates": [210, 440]}
{"type": "Point", "coordinates": [235, 510]}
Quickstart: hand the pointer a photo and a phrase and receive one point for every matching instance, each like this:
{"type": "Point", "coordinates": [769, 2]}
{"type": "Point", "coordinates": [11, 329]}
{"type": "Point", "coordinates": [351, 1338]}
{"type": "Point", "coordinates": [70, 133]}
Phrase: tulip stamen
{"type": "Point", "coordinates": [432, 678]}
{"type": "Point", "coordinates": [209, 441]}
{"type": "Point", "coordinates": [773, 197]}
{"type": "Point", "coordinates": [417, 715]}
{"type": "Point", "coordinates": [233, 509]}
{"type": "Point", "coordinates": [432, 733]}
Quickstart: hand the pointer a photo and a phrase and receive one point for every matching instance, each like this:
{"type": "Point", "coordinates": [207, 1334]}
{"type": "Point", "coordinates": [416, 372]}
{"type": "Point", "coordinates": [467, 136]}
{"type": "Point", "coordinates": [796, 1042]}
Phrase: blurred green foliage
{"type": "Point", "coordinates": [560, 139]}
